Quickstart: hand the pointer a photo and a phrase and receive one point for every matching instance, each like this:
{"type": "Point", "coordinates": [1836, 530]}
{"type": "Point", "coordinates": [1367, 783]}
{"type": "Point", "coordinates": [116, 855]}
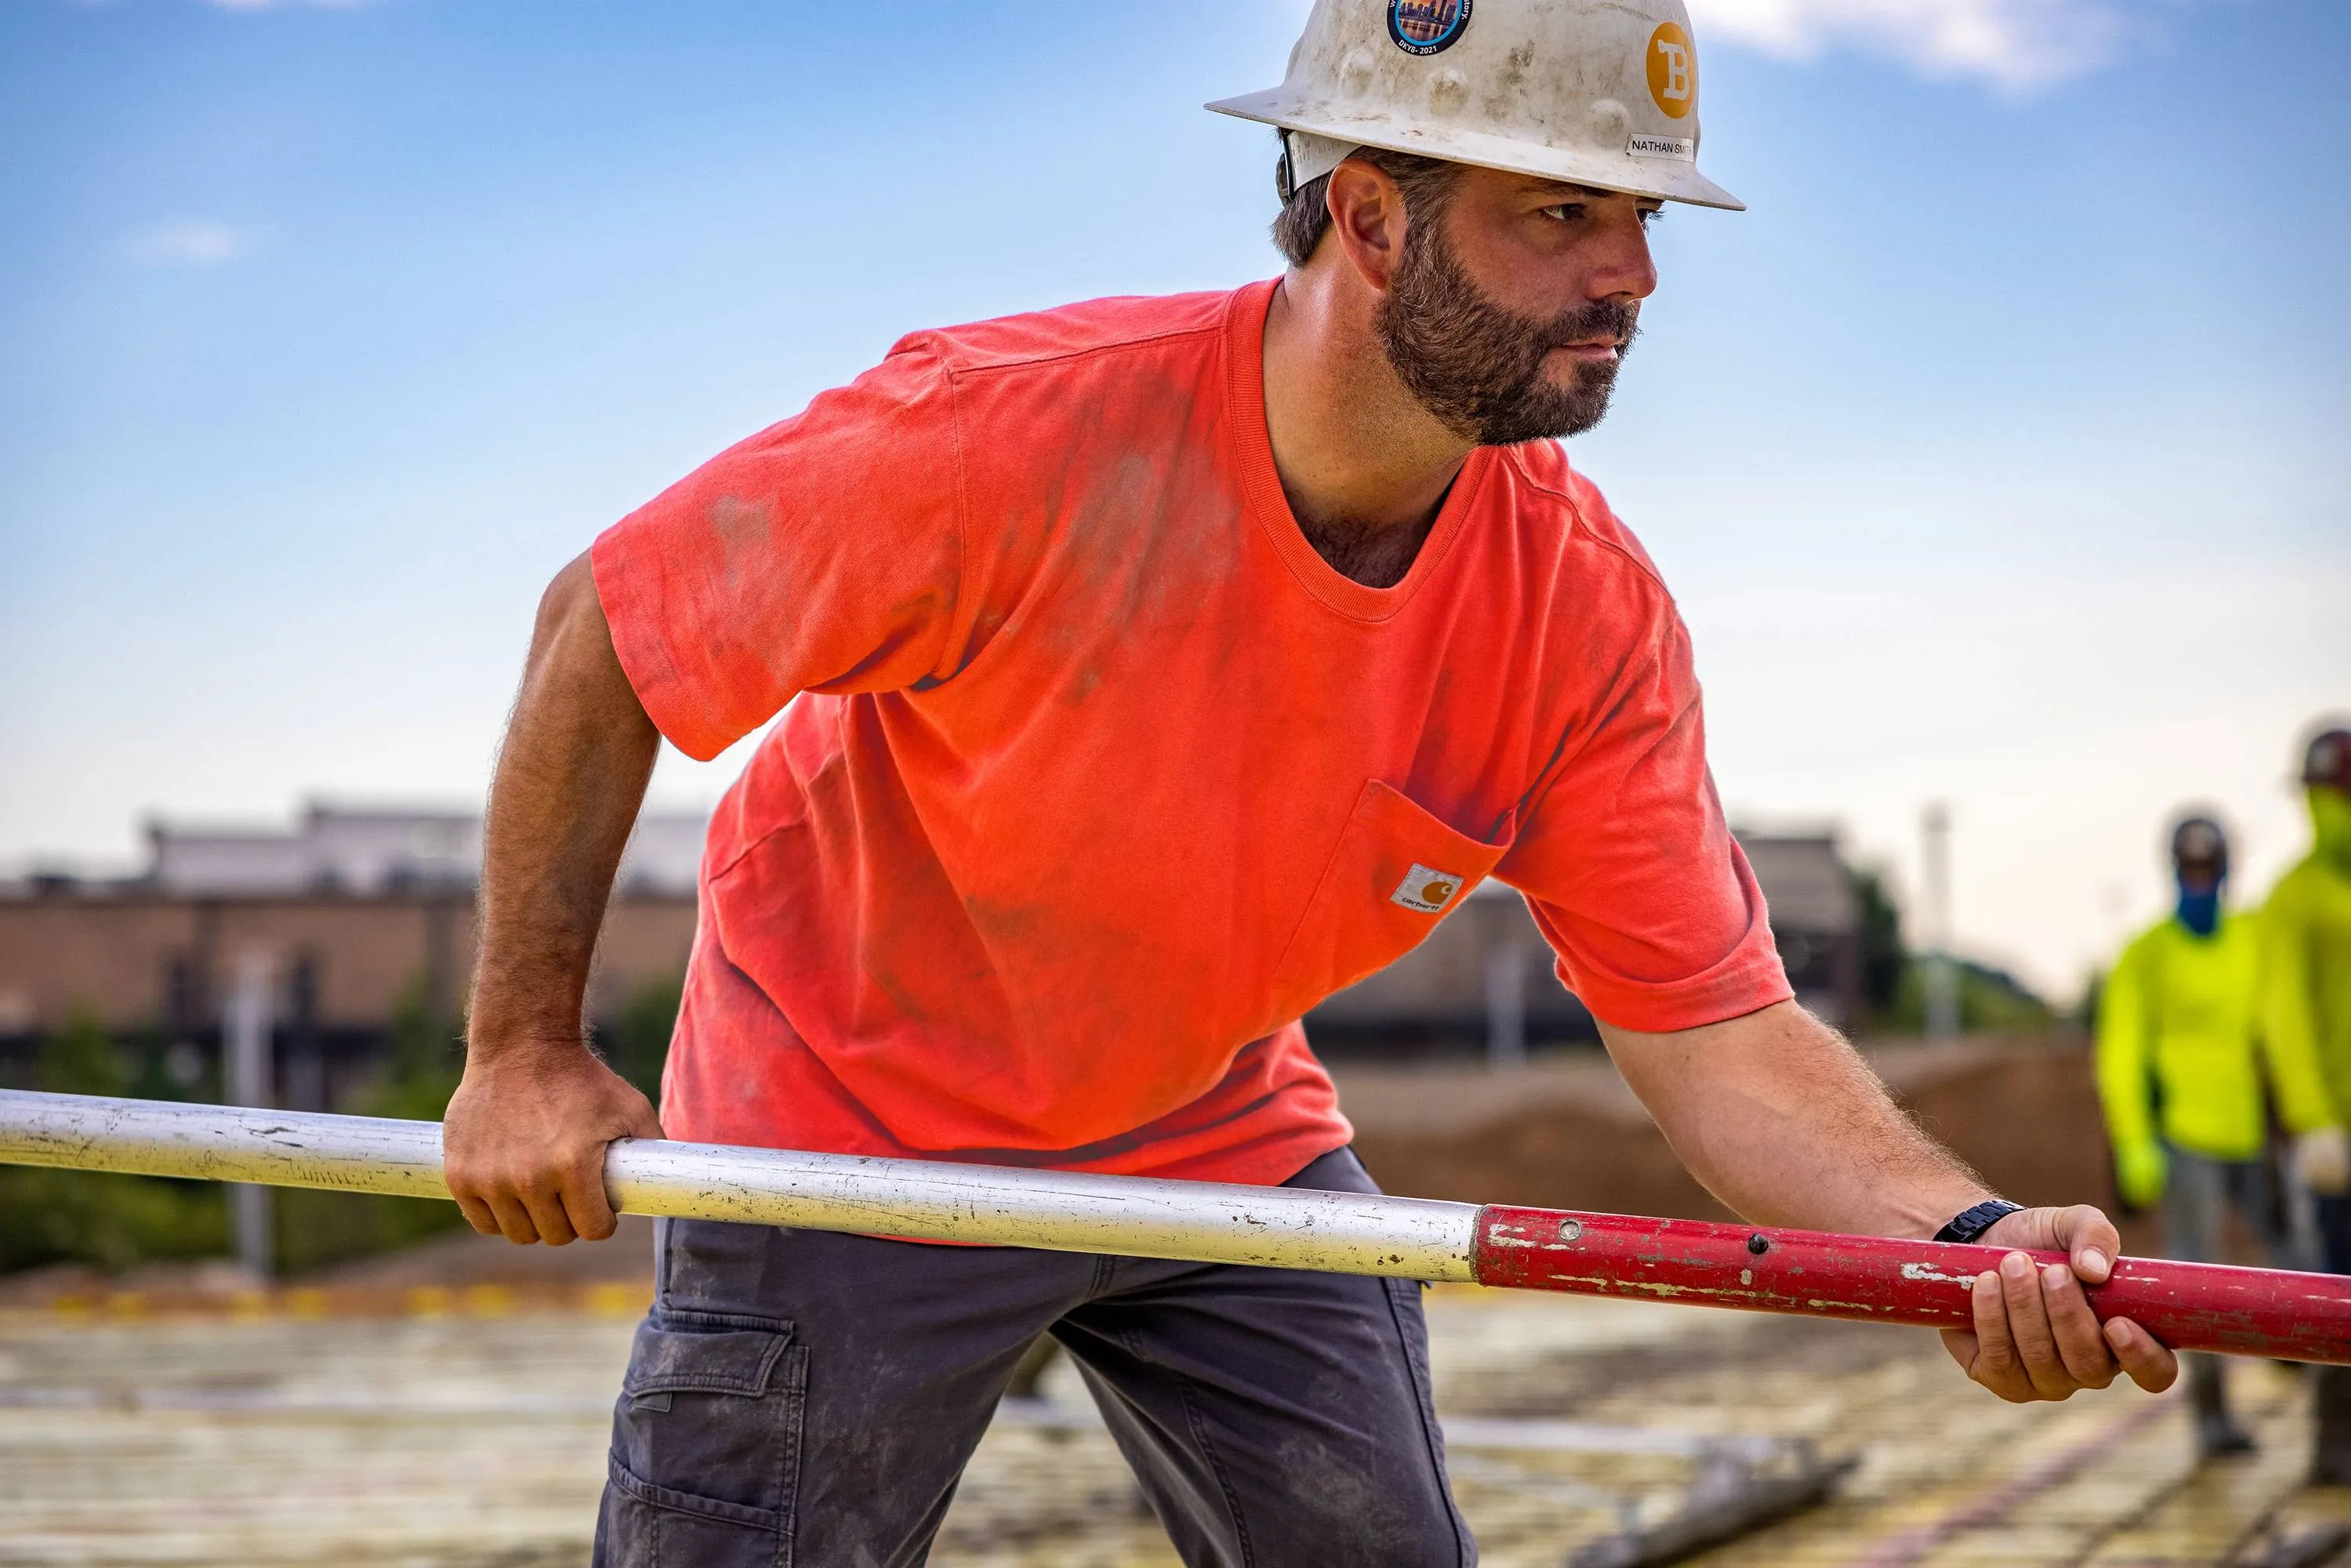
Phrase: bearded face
{"type": "Point", "coordinates": [1476, 365]}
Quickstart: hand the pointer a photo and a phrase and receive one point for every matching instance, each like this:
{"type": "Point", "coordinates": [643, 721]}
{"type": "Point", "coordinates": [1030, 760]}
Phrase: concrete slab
{"type": "Point", "coordinates": [466, 1441]}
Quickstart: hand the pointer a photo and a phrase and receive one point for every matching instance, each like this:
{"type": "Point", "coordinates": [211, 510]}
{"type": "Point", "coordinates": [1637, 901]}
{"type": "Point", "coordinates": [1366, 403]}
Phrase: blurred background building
{"type": "Point", "coordinates": [344, 940]}
{"type": "Point", "coordinates": [364, 922]}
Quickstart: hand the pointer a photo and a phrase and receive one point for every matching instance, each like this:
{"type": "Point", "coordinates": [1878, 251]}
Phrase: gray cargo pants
{"type": "Point", "coordinates": [2195, 1202]}
{"type": "Point", "coordinates": [798, 1399]}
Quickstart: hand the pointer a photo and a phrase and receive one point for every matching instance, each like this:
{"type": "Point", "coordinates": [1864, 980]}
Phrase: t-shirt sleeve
{"type": "Point", "coordinates": [823, 554]}
{"type": "Point", "coordinates": [1623, 853]}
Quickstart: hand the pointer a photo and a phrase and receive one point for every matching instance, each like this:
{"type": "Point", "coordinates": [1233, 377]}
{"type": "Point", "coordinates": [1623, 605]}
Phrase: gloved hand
{"type": "Point", "coordinates": [2140, 1171]}
{"type": "Point", "coordinates": [2322, 1162]}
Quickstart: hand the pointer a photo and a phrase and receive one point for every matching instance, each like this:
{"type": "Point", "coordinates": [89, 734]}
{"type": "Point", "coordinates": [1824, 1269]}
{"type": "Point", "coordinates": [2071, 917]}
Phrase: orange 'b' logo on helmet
{"type": "Point", "coordinates": [1673, 71]}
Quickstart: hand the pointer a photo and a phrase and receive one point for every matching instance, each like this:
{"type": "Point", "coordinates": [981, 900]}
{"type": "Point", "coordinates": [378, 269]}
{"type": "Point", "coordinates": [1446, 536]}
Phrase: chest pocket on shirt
{"type": "Point", "coordinates": [1397, 873]}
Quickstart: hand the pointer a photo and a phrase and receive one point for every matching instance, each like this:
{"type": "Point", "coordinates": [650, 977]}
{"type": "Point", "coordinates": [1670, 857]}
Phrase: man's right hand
{"type": "Point", "coordinates": [523, 1147]}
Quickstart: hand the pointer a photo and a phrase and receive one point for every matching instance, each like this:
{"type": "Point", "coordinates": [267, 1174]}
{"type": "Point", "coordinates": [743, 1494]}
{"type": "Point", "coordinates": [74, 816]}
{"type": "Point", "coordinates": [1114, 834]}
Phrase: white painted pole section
{"type": "Point", "coordinates": [246, 1036]}
{"type": "Point", "coordinates": [1207, 1222]}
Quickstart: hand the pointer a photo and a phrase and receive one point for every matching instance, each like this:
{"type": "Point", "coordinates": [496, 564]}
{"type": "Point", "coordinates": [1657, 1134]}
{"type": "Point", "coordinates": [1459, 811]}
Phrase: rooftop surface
{"type": "Point", "coordinates": [466, 1429]}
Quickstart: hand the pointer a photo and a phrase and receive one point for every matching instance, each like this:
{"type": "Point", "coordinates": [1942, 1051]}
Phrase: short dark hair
{"type": "Point", "coordinates": [1427, 183]}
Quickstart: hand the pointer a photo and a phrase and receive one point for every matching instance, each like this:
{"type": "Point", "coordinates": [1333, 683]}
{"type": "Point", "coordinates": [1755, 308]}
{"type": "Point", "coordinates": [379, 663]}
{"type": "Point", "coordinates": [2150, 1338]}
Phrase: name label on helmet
{"type": "Point", "coordinates": [1427, 26]}
{"type": "Point", "coordinates": [1680, 147]}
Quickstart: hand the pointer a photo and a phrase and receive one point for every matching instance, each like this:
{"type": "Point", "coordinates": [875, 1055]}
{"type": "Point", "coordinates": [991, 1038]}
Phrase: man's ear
{"type": "Point", "coordinates": [1367, 220]}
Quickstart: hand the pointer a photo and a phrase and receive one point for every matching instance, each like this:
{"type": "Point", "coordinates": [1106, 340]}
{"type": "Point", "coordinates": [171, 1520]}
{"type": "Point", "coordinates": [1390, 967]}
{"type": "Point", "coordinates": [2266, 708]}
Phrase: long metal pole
{"type": "Point", "coordinates": [2189, 1306]}
{"type": "Point", "coordinates": [1346, 1233]}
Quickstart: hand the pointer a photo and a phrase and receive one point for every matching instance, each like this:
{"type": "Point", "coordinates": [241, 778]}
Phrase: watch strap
{"type": "Point", "coordinates": [1970, 1225]}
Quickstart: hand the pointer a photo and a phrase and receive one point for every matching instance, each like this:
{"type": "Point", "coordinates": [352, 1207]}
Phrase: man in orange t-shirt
{"type": "Point", "coordinates": [1147, 671]}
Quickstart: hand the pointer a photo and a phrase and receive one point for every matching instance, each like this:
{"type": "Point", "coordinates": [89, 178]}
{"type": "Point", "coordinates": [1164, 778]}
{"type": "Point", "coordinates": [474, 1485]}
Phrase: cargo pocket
{"type": "Point", "coordinates": [706, 1445]}
{"type": "Point", "coordinates": [1398, 870]}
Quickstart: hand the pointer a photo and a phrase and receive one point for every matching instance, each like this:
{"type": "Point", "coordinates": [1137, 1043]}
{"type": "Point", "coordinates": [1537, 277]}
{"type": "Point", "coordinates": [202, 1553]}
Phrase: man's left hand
{"type": "Point", "coordinates": [2035, 1336]}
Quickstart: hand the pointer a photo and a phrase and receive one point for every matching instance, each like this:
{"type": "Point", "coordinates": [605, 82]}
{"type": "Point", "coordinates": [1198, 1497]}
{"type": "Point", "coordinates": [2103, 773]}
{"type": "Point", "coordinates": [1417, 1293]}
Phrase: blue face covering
{"type": "Point", "coordinates": [2200, 911]}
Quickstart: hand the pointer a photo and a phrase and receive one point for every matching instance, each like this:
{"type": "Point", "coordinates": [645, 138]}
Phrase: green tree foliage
{"type": "Point", "coordinates": [80, 1058]}
{"type": "Point", "coordinates": [110, 1221]}
{"type": "Point", "coordinates": [1893, 978]}
{"type": "Point", "coordinates": [424, 1062]}
{"type": "Point", "coordinates": [1991, 1001]}
{"type": "Point", "coordinates": [1884, 958]}
{"type": "Point", "coordinates": [116, 1222]}
{"type": "Point", "coordinates": [2083, 1014]}
{"type": "Point", "coordinates": [148, 1054]}
{"type": "Point", "coordinates": [635, 1042]}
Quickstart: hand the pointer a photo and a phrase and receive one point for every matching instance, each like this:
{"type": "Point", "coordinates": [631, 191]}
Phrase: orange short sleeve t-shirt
{"type": "Point", "coordinates": [1093, 777]}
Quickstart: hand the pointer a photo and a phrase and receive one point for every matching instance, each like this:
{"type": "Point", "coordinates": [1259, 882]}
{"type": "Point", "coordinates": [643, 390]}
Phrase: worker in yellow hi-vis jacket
{"type": "Point", "coordinates": [2306, 1019]}
{"type": "Point", "coordinates": [2181, 1075]}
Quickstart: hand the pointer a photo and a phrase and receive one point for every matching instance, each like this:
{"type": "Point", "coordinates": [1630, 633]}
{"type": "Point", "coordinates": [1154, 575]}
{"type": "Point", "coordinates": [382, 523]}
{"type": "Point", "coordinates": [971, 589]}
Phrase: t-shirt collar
{"type": "Point", "coordinates": [1252, 452]}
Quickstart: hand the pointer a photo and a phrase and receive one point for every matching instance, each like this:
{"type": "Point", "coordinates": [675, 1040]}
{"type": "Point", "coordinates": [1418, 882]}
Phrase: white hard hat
{"type": "Point", "coordinates": [1594, 92]}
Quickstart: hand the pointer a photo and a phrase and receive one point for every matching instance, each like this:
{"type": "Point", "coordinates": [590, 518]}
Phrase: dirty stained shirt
{"type": "Point", "coordinates": [1093, 777]}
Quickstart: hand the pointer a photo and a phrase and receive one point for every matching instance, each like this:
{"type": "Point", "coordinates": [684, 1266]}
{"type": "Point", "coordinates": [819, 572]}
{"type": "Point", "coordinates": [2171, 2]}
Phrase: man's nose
{"type": "Point", "coordinates": [1623, 268]}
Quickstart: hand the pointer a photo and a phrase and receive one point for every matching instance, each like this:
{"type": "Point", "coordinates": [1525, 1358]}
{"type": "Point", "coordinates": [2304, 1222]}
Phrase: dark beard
{"type": "Point", "coordinates": [1478, 367]}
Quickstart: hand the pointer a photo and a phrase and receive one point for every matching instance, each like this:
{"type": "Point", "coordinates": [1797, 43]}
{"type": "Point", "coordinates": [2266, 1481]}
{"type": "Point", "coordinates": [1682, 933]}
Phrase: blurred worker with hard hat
{"type": "Point", "coordinates": [2180, 1073]}
{"type": "Point", "coordinates": [1148, 670]}
{"type": "Point", "coordinates": [2306, 1012]}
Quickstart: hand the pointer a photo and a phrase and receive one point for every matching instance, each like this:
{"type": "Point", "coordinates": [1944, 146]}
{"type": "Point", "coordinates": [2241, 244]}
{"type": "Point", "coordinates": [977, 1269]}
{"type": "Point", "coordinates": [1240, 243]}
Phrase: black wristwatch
{"type": "Point", "coordinates": [1970, 1225]}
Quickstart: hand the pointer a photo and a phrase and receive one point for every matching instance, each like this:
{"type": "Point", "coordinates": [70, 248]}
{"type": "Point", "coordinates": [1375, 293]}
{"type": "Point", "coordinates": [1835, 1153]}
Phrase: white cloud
{"type": "Point", "coordinates": [2018, 44]}
{"type": "Point", "coordinates": [191, 245]}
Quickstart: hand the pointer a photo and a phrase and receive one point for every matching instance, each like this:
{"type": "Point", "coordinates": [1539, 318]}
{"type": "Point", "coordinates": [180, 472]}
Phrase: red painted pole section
{"type": "Point", "coordinates": [2188, 1306]}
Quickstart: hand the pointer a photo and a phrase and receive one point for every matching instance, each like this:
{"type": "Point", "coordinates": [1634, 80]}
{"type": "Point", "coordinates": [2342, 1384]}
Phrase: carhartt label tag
{"type": "Point", "coordinates": [1428, 891]}
{"type": "Point", "coordinates": [1662, 147]}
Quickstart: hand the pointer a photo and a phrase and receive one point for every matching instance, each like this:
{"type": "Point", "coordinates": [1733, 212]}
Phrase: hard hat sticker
{"type": "Point", "coordinates": [1673, 71]}
{"type": "Point", "coordinates": [1427, 26]}
{"type": "Point", "coordinates": [1662, 147]}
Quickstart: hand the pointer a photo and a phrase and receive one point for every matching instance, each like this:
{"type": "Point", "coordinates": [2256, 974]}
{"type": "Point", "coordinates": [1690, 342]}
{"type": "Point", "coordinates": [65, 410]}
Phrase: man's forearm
{"type": "Point", "coordinates": [523, 1146]}
{"type": "Point", "coordinates": [570, 778]}
{"type": "Point", "coordinates": [1782, 1120]}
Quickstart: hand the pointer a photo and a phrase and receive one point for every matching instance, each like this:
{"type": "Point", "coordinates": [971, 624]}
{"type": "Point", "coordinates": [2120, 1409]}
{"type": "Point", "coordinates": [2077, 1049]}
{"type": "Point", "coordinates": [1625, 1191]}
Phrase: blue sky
{"type": "Point", "coordinates": [1996, 454]}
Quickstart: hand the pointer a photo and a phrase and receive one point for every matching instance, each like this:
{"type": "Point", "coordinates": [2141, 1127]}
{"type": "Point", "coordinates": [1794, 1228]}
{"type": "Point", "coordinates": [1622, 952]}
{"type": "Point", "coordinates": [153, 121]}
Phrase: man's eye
{"type": "Point", "coordinates": [1649, 216]}
{"type": "Point", "coordinates": [1565, 212]}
